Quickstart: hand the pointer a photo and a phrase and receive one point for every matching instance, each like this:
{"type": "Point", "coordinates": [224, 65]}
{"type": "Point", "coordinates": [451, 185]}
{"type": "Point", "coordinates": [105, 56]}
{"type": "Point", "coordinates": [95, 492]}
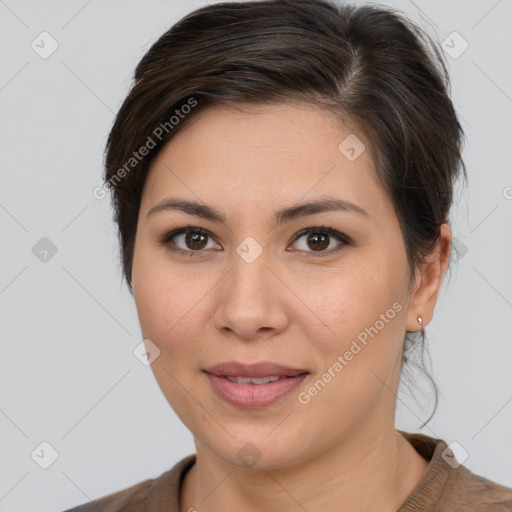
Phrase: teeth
{"type": "Point", "coordinates": [253, 380]}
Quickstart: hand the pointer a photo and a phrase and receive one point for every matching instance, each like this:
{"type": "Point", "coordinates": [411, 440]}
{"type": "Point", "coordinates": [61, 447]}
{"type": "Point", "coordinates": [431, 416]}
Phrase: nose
{"type": "Point", "coordinates": [251, 300]}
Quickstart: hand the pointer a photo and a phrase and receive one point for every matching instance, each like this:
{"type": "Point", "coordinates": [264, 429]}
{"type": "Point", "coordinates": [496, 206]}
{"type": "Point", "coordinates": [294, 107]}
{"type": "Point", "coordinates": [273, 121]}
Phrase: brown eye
{"type": "Point", "coordinates": [318, 241]}
{"type": "Point", "coordinates": [190, 241]}
{"type": "Point", "coordinates": [195, 241]}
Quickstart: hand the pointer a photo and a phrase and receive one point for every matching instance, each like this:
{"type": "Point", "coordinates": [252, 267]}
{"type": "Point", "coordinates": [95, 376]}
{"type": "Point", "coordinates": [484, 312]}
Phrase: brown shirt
{"type": "Point", "coordinates": [445, 487]}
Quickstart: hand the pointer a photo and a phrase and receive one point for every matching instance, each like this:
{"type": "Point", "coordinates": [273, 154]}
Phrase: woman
{"type": "Point", "coordinates": [282, 174]}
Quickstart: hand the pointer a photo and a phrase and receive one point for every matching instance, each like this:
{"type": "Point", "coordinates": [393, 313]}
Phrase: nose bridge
{"type": "Point", "coordinates": [249, 263]}
{"type": "Point", "coordinates": [248, 279]}
{"type": "Point", "coordinates": [250, 296]}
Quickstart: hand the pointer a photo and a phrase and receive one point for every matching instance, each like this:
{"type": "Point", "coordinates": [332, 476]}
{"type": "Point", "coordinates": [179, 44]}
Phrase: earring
{"type": "Point", "coordinates": [420, 320]}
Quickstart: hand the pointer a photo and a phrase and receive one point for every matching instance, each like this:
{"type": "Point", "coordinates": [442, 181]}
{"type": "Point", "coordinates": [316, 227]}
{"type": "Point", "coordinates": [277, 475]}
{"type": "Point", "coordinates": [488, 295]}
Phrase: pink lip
{"type": "Point", "coordinates": [253, 395]}
{"type": "Point", "coordinates": [262, 369]}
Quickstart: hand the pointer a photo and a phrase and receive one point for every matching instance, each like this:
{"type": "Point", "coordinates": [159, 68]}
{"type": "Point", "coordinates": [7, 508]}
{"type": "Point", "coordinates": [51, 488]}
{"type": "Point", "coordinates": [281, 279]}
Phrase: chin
{"type": "Point", "coordinates": [248, 452]}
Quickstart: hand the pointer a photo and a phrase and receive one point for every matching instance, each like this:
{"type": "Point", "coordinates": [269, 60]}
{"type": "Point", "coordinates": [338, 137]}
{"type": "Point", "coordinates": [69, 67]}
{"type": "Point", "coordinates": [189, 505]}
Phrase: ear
{"type": "Point", "coordinates": [428, 282]}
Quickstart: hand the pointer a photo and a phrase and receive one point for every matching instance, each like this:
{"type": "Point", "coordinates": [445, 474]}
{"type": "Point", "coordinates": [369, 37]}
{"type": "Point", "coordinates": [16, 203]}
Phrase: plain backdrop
{"type": "Point", "coordinates": [69, 378]}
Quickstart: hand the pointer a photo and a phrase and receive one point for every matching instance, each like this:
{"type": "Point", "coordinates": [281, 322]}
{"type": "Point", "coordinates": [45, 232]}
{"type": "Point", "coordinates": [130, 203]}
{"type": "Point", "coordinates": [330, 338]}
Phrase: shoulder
{"type": "Point", "coordinates": [130, 499]}
{"type": "Point", "coordinates": [449, 486]}
{"type": "Point", "coordinates": [145, 496]}
{"type": "Point", "coordinates": [471, 491]}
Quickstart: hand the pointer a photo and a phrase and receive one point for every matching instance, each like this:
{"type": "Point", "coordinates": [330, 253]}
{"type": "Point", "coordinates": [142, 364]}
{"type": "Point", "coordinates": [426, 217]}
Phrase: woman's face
{"type": "Point", "coordinates": [249, 291]}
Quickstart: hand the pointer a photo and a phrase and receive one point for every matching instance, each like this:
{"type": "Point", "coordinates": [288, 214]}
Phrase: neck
{"type": "Point", "coordinates": [363, 472]}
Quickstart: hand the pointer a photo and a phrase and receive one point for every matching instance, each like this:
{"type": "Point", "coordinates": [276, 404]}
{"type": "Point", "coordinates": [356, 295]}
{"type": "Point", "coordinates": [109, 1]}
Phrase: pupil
{"type": "Point", "coordinates": [193, 238]}
{"type": "Point", "coordinates": [315, 237]}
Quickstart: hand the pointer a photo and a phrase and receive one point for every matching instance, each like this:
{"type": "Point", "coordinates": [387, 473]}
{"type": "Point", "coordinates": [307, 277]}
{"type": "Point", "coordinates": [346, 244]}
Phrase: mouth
{"type": "Point", "coordinates": [264, 369]}
{"type": "Point", "coordinates": [254, 386]}
{"type": "Point", "coordinates": [258, 381]}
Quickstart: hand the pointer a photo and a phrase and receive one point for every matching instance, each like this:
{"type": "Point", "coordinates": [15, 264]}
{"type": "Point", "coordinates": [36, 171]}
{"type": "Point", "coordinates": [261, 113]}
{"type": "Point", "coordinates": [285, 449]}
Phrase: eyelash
{"type": "Point", "coordinates": [324, 230]}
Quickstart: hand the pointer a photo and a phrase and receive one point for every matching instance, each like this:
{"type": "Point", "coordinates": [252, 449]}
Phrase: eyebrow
{"type": "Point", "coordinates": [323, 204]}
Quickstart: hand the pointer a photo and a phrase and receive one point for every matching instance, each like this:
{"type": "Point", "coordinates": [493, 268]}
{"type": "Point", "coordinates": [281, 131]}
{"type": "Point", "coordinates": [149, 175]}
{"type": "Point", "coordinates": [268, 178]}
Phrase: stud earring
{"type": "Point", "coordinates": [420, 320]}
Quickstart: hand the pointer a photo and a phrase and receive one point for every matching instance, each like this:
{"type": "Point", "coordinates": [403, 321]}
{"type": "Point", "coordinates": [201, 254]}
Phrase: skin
{"type": "Point", "coordinates": [342, 446]}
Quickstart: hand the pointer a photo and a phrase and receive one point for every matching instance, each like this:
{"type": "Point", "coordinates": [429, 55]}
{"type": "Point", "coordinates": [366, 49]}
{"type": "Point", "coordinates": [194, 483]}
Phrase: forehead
{"type": "Point", "coordinates": [254, 155]}
{"type": "Point", "coordinates": [280, 130]}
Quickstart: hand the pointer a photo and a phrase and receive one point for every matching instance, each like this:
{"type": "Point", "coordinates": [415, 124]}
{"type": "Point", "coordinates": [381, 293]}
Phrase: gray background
{"type": "Point", "coordinates": [68, 326]}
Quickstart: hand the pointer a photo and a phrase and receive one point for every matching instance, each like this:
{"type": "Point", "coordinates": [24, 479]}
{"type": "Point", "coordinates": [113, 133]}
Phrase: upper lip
{"type": "Point", "coordinates": [262, 369]}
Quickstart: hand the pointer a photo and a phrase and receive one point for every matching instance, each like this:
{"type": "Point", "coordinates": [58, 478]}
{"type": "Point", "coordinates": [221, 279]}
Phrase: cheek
{"type": "Point", "coordinates": [358, 358]}
{"type": "Point", "coordinates": [167, 309]}
{"type": "Point", "coordinates": [172, 310]}
{"type": "Point", "coordinates": [359, 317]}
{"type": "Point", "coordinates": [167, 312]}
{"type": "Point", "coordinates": [348, 300]}
{"type": "Point", "coordinates": [157, 292]}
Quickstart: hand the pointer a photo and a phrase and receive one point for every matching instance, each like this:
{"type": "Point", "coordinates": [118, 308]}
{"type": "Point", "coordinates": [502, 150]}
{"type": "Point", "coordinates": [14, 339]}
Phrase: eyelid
{"type": "Point", "coordinates": [344, 240]}
{"type": "Point", "coordinates": [189, 228]}
{"type": "Point", "coordinates": [323, 229]}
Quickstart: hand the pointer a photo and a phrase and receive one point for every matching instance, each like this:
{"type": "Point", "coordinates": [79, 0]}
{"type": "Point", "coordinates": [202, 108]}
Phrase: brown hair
{"type": "Point", "coordinates": [365, 64]}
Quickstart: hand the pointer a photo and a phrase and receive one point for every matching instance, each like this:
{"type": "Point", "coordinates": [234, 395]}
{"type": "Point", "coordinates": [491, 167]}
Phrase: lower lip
{"type": "Point", "coordinates": [253, 395]}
